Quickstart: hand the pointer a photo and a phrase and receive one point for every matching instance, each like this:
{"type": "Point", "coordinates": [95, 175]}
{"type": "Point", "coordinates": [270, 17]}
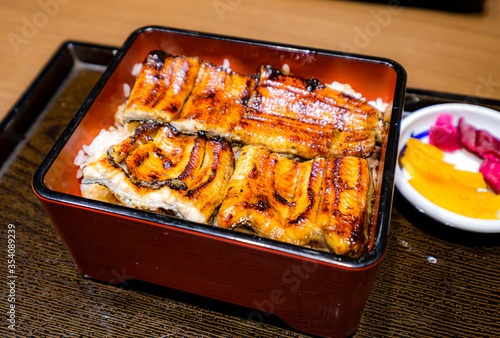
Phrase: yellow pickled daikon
{"type": "Point", "coordinates": [458, 191]}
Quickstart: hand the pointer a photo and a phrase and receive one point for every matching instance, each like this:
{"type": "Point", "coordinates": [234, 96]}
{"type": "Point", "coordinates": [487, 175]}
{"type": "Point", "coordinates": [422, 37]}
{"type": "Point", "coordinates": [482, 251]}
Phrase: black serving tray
{"type": "Point", "coordinates": [54, 300]}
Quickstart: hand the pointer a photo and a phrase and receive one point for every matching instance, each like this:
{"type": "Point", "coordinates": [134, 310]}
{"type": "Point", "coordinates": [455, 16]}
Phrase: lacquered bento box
{"type": "Point", "coordinates": [313, 291]}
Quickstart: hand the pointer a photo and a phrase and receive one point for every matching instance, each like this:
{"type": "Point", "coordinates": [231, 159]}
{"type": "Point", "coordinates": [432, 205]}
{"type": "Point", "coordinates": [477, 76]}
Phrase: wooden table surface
{"type": "Point", "coordinates": [442, 51]}
{"type": "Point", "coordinates": [434, 281]}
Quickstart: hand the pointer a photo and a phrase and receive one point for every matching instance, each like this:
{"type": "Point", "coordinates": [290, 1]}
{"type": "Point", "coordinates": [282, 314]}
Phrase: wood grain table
{"type": "Point", "coordinates": [450, 52]}
{"type": "Point", "coordinates": [434, 280]}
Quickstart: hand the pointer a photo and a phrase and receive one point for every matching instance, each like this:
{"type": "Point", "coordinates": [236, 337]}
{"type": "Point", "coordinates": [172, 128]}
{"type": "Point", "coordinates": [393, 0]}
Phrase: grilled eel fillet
{"type": "Point", "coordinates": [306, 118]}
{"type": "Point", "coordinates": [282, 112]}
{"type": "Point", "coordinates": [162, 87]}
{"type": "Point", "coordinates": [191, 94]}
{"type": "Point", "coordinates": [321, 200]}
{"type": "Point", "coordinates": [157, 169]}
{"type": "Point", "coordinates": [217, 101]}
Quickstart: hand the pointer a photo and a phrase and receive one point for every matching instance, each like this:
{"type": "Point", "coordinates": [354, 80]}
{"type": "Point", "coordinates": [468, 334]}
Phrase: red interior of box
{"type": "Point", "coordinates": [374, 80]}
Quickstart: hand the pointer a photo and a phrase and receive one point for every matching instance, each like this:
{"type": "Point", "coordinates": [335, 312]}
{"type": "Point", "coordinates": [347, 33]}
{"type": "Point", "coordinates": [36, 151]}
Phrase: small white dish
{"type": "Point", "coordinates": [418, 124]}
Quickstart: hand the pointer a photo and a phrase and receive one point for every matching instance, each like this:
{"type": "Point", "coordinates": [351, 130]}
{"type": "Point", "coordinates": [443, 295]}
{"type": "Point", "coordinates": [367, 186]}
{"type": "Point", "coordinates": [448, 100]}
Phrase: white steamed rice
{"type": "Point", "coordinates": [100, 144]}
